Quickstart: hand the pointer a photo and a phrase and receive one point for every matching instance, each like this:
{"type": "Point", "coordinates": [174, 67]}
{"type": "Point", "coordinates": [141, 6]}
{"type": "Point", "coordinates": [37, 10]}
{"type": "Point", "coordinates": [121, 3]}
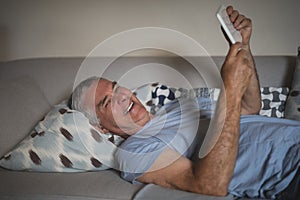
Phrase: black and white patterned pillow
{"type": "Point", "coordinates": [144, 94]}
{"type": "Point", "coordinates": [163, 94]}
{"type": "Point", "coordinates": [273, 101]}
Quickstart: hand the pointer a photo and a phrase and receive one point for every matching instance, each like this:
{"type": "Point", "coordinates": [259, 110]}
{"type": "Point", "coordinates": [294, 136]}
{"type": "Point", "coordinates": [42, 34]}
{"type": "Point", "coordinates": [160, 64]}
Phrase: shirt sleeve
{"type": "Point", "coordinates": [136, 156]}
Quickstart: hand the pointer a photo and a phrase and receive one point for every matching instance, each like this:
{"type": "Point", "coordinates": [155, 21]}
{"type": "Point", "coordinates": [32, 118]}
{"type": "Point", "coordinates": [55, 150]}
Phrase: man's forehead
{"type": "Point", "coordinates": [96, 90]}
{"type": "Point", "coordinates": [104, 83]}
{"type": "Point", "coordinates": [102, 89]}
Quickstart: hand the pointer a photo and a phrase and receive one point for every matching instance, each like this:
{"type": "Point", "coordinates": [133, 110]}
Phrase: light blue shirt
{"type": "Point", "coordinates": [268, 157]}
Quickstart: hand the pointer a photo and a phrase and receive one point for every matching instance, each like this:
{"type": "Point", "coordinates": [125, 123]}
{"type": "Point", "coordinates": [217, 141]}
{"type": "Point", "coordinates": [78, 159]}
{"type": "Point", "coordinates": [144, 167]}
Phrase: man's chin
{"type": "Point", "coordinates": [134, 126]}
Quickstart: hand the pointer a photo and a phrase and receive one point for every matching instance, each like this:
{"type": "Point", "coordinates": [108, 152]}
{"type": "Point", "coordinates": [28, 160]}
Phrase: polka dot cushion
{"type": "Point", "coordinates": [63, 141]}
{"type": "Point", "coordinates": [293, 101]}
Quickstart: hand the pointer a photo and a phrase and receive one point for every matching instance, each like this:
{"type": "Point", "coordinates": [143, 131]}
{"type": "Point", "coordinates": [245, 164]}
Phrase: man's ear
{"type": "Point", "coordinates": [101, 129]}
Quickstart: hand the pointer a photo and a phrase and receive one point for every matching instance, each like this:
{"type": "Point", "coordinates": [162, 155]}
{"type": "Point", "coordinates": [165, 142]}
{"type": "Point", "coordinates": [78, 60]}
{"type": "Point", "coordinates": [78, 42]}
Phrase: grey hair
{"type": "Point", "coordinates": [78, 99]}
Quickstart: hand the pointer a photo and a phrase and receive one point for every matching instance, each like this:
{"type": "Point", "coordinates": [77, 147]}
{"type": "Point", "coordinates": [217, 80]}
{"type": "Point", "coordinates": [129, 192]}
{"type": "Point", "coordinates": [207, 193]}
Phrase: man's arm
{"type": "Point", "coordinates": [251, 102]}
{"type": "Point", "coordinates": [212, 174]}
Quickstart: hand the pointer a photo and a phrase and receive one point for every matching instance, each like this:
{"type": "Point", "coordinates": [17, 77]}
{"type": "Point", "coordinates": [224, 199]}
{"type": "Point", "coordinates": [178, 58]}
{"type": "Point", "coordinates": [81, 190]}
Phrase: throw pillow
{"type": "Point", "coordinates": [144, 94]}
{"type": "Point", "coordinates": [63, 141]}
{"type": "Point", "coordinates": [293, 101]}
{"type": "Point", "coordinates": [273, 101]}
{"type": "Point", "coordinates": [163, 94]}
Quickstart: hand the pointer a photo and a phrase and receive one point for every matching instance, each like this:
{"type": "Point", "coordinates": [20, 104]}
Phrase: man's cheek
{"type": "Point", "coordinates": [117, 115]}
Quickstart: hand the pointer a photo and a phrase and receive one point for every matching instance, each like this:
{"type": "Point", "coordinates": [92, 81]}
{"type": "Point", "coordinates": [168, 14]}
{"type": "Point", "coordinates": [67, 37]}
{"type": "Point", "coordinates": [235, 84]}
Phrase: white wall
{"type": "Point", "coordinates": [43, 28]}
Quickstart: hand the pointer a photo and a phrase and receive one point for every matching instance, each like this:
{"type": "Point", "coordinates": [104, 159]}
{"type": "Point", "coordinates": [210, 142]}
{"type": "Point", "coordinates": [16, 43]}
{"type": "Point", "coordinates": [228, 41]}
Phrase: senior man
{"type": "Point", "coordinates": [252, 156]}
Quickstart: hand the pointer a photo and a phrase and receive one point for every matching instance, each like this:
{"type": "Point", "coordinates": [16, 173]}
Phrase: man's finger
{"type": "Point", "coordinates": [229, 10]}
{"type": "Point", "coordinates": [234, 49]}
{"type": "Point", "coordinates": [234, 15]}
{"type": "Point", "coordinates": [239, 20]}
{"type": "Point", "coordinates": [245, 23]}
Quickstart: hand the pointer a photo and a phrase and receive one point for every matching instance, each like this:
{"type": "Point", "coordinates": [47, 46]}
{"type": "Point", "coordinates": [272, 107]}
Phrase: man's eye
{"type": "Point", "coordinates": [107, 103]}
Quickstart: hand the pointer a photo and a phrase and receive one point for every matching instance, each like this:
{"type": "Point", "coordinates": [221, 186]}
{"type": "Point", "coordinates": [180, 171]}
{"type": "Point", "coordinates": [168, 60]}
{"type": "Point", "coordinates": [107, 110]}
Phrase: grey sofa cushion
{"type": "Point", "coordinates": [98, 185]}
{"type": "Point", "coordinates": [293, 101]}
{"type": "Point", "coordinates": [22, 104]}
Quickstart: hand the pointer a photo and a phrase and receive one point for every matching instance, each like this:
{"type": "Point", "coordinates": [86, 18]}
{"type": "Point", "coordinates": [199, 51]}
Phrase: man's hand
{"type": "Point", "coordinates": [236, 71]}
{"type": "Point", "coordinates": [241, 23]}
{"type": "Point", "coordinates": [251, 103]}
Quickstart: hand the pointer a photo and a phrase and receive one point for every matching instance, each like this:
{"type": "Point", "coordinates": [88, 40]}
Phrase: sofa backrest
{"type": "Point", "coordinates": [56, 76]}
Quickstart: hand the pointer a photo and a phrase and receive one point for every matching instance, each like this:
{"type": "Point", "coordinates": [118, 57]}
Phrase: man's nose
{"type": "Point", "coordinates": [122, 97]}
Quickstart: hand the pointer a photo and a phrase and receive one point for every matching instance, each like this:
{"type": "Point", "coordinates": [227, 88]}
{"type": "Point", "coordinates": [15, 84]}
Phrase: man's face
{"type": "Point", "coordinates": [119, 111]}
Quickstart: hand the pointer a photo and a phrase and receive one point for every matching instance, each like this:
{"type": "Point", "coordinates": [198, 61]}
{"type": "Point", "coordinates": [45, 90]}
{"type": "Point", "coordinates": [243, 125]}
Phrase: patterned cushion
{"type": "Point", "coordinates": [293, 101]}
{"type": "Point", "coordinates": [273, 101]}
{"type": "Point", "coordinates": [144, 94]}
{"type": "Point", "coordinates": [63, 141]}
{"type": "Point", "coordinates": [163, 94]}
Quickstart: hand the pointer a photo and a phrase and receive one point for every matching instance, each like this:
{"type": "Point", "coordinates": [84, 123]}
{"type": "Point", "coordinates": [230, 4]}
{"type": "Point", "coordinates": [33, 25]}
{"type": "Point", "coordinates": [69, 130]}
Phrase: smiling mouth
{"type": "Point", "coordinates": [128, 108]}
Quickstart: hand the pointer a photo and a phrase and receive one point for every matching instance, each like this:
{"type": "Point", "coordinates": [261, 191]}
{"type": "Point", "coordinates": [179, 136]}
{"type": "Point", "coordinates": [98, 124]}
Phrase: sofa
{"type": "Point", "coordinates": [31, 87]}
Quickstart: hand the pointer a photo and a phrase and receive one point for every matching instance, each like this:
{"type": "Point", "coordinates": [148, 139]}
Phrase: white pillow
{"type": "Point", "coordinates": [63, 141]}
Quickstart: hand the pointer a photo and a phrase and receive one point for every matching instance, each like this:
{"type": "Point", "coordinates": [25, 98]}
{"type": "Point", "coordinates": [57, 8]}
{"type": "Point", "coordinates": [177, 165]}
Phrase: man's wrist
{"type": "Point", "coordinates": [232, 98]}
{"type": "Point", "coordinates": [246, 47]}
